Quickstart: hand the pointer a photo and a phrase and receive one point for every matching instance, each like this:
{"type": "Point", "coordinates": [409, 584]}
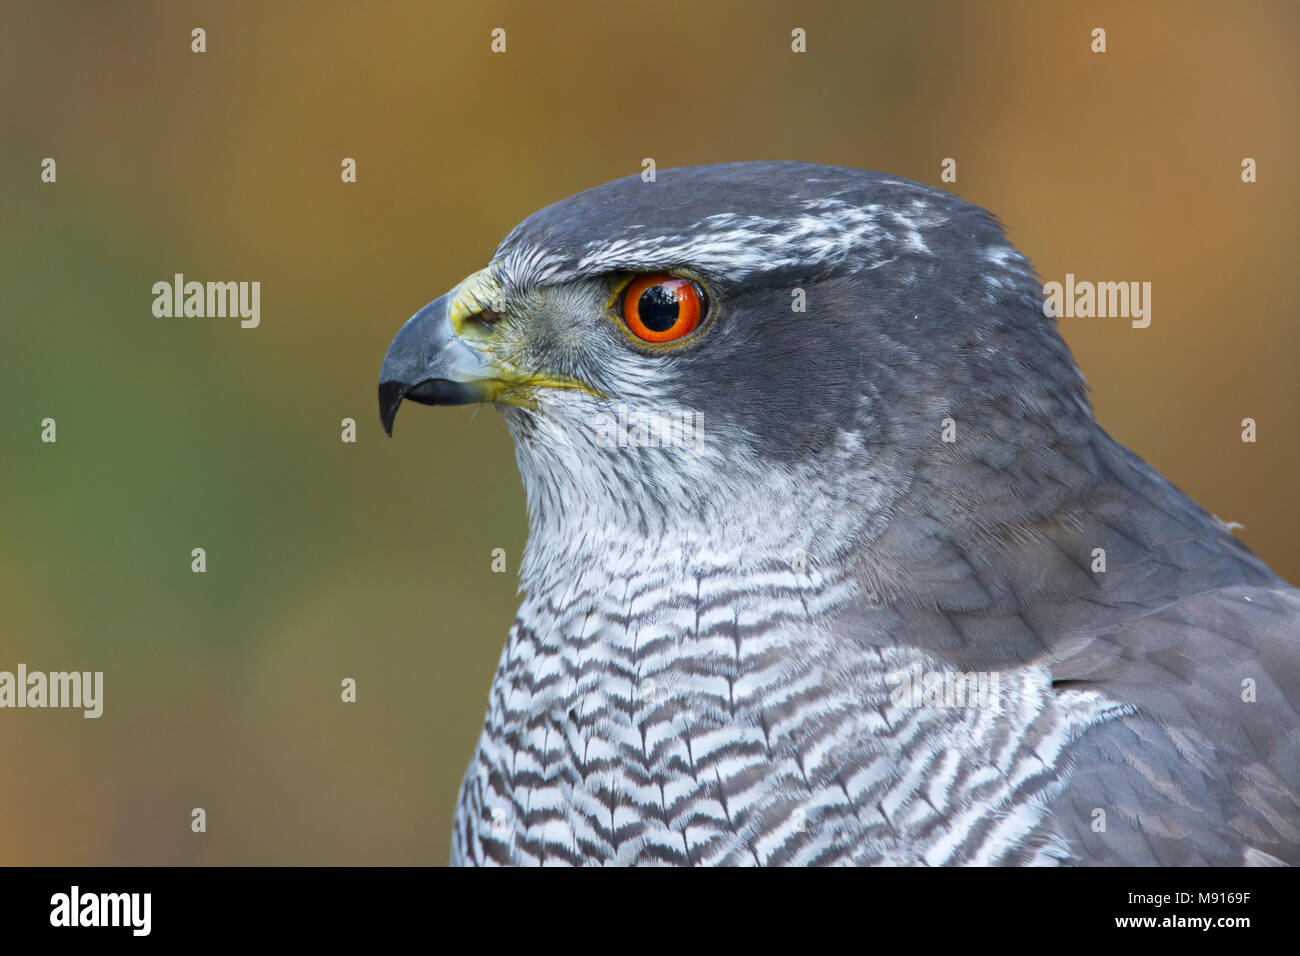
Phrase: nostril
{"type": "Point", "coordinates": [485, 319]}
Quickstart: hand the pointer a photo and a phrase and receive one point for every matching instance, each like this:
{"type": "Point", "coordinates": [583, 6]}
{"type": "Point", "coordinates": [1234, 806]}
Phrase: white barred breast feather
{"type": "Point", "coordinates": [684, 715]}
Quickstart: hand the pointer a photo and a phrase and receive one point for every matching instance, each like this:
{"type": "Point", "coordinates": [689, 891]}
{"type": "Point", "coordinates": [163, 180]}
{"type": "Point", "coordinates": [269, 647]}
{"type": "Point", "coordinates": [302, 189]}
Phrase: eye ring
{"type": "Point", "coordinates": [659, 307]}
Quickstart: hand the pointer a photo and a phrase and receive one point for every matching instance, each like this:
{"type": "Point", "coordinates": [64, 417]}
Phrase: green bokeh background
{"type": "Point", "coordinates": [328, 560]}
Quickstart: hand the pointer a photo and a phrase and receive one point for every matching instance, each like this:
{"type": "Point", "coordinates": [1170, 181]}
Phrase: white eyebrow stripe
{"type": "Point", "coordinates": [828, 233]}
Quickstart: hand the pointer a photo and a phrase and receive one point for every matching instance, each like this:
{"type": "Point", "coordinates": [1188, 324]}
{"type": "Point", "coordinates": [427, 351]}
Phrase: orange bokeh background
{"type": "Point", "coordinates": [371, 560]}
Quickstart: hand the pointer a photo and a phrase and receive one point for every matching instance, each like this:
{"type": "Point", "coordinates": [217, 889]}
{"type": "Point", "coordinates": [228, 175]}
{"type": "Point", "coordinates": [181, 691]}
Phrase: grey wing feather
{"type": "Point", "coordinates": [1205, 769]}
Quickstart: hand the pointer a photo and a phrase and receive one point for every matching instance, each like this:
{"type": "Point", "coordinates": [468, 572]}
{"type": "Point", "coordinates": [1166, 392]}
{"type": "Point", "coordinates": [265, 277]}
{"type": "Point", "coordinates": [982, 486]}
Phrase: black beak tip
{"type": "Point", "coordinates": [432, 391]}
{"type": "Point", "coordinates": [390, 399]}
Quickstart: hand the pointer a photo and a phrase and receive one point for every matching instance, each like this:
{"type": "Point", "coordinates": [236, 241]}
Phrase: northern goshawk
{"type": "Point", "coordinates": [828, 559]}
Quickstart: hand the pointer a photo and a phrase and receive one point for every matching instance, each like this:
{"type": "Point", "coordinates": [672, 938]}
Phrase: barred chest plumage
{"type": "Point", "coordinates": [684, 713]}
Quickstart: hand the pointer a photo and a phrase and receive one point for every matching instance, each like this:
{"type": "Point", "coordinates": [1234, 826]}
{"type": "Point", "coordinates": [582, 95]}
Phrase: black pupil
{"type": "Point", "coordinates": [657, 308]}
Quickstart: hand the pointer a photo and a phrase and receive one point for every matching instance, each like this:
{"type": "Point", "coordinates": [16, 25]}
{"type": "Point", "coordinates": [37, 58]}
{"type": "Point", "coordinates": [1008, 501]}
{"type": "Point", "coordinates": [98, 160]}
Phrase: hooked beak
{"type": "Point", "coordinates": [430, 364]}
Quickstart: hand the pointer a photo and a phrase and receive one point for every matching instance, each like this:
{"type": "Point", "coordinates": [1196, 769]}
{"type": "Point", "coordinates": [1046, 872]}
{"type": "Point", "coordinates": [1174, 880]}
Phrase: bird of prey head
{"type": "Point", "coordinates": [818, 415]}
{"type": "Point", "coordinates": [912, 306]}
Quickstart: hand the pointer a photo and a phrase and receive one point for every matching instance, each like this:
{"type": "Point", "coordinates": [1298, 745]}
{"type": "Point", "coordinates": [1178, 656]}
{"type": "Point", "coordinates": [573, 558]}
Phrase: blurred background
{"type": "Point", "coordinates": [371, 560]}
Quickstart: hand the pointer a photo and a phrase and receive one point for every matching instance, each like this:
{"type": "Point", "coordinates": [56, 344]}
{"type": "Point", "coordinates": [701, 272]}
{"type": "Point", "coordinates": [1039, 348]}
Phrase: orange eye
{"type": "Point", "coordinates": [658, 307]}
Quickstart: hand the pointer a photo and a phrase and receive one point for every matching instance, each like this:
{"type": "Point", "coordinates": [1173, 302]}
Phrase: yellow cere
{"type": "Point", "coordinates": [480, 291]}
